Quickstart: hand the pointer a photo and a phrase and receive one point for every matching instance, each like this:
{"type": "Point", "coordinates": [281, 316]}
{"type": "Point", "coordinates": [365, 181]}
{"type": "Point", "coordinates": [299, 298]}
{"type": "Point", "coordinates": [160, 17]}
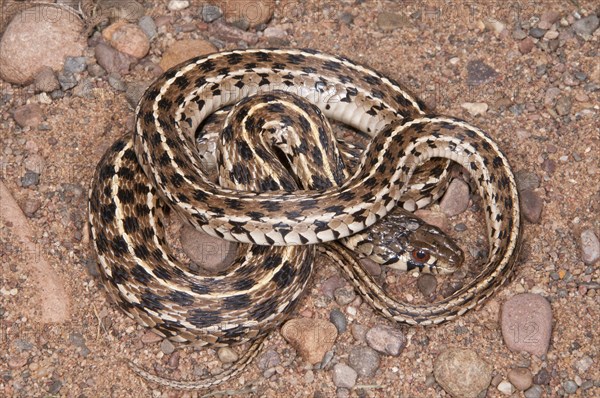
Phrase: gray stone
{"type": "Point", "coordinates": [527, 180]}
{"type": "Point", "coordinates": [531, 205]}
{"type": "Point", "coordinates": [537, 33]}
{"type": "Point", "coordinates": [167, 347]}
{"type": "Point", "coordinates": [344, 295]}
{"type": "Point", "coordinates": [115, 82]}
{"type": "Point", "coordinates": [30, 179]}
{"type": "Point", "coordinates": [427, 283]}
{"type": "Point", "coordinates": [74, 65]}
{"type": "Point", "coordinates": [583, 364]}
{"type": "Point", "coordinates": [563, 105]}
{"type": "Point", "coordinates": [134, 92]}
{"type": "Point", "coordinates": [461, 373]}
{"type": "Point", "coordinates": [585, 27]}
{"type": "Point", "coordinates": [338, 318]}
{"type": "Point", "coordinates": [210, 13]}
{"type": "Point", "coordinates": [344, 376]}
{"type": "Point", "coordinates": [269, 359]}
{"type": "Point", "coordinates": [478, 72]}
{"type": "Point", "coordinates": [590, 247]}
{"type": "Point", "coordinates": [85, 89]}
{"type": "Point", "coordinates": [527, 323]}
{"type": "Point", "coordinates": [148, 26]}
{"type": "Point", "coordinates": [364, 360]}
{"type": "Point", "coordinates": [570, 387]}
{"type": "Point", "coordinates": [534, 392]}
{"type": "Point", "coordinates": [386, 339]}
{"type": "Point", "coordinates": [67, 81]}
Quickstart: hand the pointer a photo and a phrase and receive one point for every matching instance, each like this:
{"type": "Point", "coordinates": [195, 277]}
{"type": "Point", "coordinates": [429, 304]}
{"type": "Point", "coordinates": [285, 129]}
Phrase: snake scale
{"type": "Point", "coordinates": [280, 220]}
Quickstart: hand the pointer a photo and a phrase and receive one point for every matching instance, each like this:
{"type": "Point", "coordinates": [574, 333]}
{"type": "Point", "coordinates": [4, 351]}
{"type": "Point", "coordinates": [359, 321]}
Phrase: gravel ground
{"type": "Point", "coordinates": [535, 90]}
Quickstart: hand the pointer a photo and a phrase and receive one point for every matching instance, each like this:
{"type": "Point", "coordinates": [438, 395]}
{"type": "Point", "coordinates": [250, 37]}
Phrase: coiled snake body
{"type": "Point", "coordinates": [159, 167]}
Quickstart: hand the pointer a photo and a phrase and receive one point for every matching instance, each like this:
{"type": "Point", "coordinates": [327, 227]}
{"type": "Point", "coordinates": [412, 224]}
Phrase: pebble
{"type": "Point", "coordinates": [148, 26]}
{"type": "Point", "coordinates": [551, 35]}
{"type": "Point", "coordinates": [229, 33]}
{"type": "Point", "coordinates": [67, 81]}
{"type": "Point", "coordinates": [519, 34]}
{"type": "Point", "coordinates": [563, 105]}
{"type": "Point", "coordinates": [525, 46]}
{"type": "Point", "coordinates": [427, 283]}
{"type": "Point", "coordinates": [364, 360]}
{"type": "Point", "coordinates": [74, 65]}
{"type": "Point", "coordinates": [462, 373]}
{"type": "Point", "coordinates": [542, 377]}
{"type": "Point", "coordinates": [344, 376]}
{"type": "Point", "coordinates": [388, 21]}
{"type": "Point", "coordinates": [585, 27]}
{"type": "Point", "coordinates": [435, 218]}
{"type": "Point", "coordinates": [46, 81]}
{"type": "Point", "coordinates": [570, 387]}
{"type": "Point", "coordinates": [54, 387]}
{"type": "Point", "coordinates": [505, 388]}
{"type": "Point", "coordinates": [359, 332]}
{"type": "Point", "coordinates": [312, 338]}
{"type": "Point", "coordinates": [181, 50]}
{"type": "Point", "coordinates": [35, 163]}
{"type": "Point", "coordinates": [167, 347]}
{"type": "Point", "coordinates": [531, 205]}
{"type": "Point", "coordinates": [344, 295]}
{"type": "Point", "coordinates": [475, 108]}
{"type": "Point", "coordinates": [178, 5]}
{"type": "Point", "coordinates": [583, 364]}
{"type": "Point", "coordinates": [386, 340]}
{"type": "Point", "coordinates": [247, 14]}
{"type": "Point", "coordinates": [115, 82]}
{"type": "Point", "coordinates": [127, 38]}
{"type": "Point", "coordinates": [149, 337]}
{"type": "Point", "coordinates": [548, 18]}
{"type": "Point", "coordinates": [534, 392]}
{"type": "Point", "coordinates": [526, 323]}
{"type": "Point", "coordinates": [456, 199]}
{"type": "Point", "coordinates": [537, 33]}
{"type": "Point", "coordinates": [29, 43]}
{"type": "Point", "coordinates": [227, 355]}
{"type": "Point", "coordinates": [527, 180]}
{"type": "Point", "coordinates": [268, 360]}
{"type": "Point", "coordinates": [210, 253]}
{"type": "Point", "coordinates": [29, 115]}
{"type": "Point", "coordinates": [134, 92]}
{"type": "Point", "coordinates": [31, 206]}
{"type": "Point", "coordinates": [112, 60]}
{"type": "Point", "coordinates": [521, 378]}
{"type": "Point", "coordinates": [275, 33]}
{"type": "Point", "coordinates": [30, 179]}
{"type": "Point", "coordinates": [210, 13]}
{"type": "Point", "coordinates": [549, 166]}
{"type": "Point", "coordinates": [85, 89]}
{"type": "Point", "coordinates": [333, 283]}
{"type": "Point", "coordinates": [590, 247]}
{"type": "Point", "coordinates": [478, 72]}
{"type": "Point", "coordinates": [338, 318]}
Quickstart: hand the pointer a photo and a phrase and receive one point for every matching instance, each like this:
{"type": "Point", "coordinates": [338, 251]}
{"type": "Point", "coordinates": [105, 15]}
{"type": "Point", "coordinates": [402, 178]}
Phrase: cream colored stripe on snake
{"type": "Point", "coordinates": [160, 165]}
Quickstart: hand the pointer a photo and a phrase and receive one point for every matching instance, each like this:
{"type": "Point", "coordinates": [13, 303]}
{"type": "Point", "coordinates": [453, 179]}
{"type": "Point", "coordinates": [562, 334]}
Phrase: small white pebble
{"type": "Point", "coordinates": [178, 5]}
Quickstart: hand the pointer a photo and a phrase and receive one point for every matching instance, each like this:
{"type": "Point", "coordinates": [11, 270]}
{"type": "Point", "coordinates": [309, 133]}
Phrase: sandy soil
{"type": "Point", "coordinates": [79, 350]}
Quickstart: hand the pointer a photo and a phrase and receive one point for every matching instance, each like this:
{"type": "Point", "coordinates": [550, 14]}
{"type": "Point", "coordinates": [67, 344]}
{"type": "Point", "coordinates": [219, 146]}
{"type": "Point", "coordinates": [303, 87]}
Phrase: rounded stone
{"type": "Point", "coordinates": [127, 38]}
{"type": "Point", "coordinates": [312, 338]}
{"type": "Point", "coordinates": [456, 198]}
{"type": "Point", "coordinates": [210, 253]}
{"type": "Point", "coordinates": [387, 340]}
{"type": "Point", "coordinates": [527, 323]}
{"type": "Point", "coordinates": [521, 378]}
{"type": "Point", "coordinates": [590, 247]}
{"type": "Point", "coordinates": [36, 37]}
{"type": "Point", "coordinates": [462, 373]}
{"type": "Point", "coordinates": [364, 360]}
{"type": "Point", "coordinates": [344, 376]}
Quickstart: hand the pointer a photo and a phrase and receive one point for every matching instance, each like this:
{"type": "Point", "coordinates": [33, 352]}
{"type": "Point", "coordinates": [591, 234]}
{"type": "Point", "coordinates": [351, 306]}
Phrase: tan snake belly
{"type": "Point", "coordinates": [159, 165]}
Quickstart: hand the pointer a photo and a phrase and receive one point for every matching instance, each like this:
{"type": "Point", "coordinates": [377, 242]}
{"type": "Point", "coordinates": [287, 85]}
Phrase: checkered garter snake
{"type": "Point", "coordinates": [279, 218]}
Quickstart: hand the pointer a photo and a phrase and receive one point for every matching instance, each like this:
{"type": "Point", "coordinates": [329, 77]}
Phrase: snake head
{"type": "Point", "coordinates": [430, 250]}
{"type": "Point", "coordinates": [404, 242]}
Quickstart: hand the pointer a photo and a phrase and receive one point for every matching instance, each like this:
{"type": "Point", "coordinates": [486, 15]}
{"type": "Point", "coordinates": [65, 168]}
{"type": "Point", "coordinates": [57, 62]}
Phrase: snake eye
{"type": "Point", "coordinates": [420, 255]}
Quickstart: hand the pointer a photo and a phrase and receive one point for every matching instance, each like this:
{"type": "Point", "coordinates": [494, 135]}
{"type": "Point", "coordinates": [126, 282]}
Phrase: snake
{"type": "Point", "coordinates": [280, 221]}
